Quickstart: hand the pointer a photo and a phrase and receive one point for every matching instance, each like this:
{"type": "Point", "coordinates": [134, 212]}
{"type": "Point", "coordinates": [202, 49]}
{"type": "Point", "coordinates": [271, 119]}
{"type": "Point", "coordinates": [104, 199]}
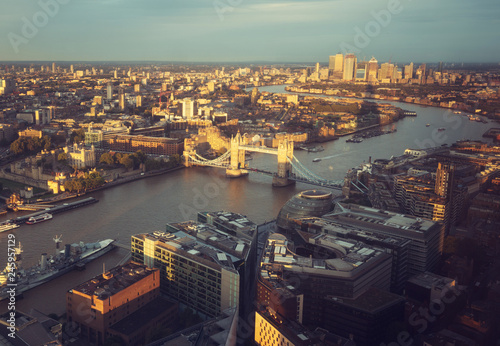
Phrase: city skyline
{"type": "Point", "coordinates": [239, 31]}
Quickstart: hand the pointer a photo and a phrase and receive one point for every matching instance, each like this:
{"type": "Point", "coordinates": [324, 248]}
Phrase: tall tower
{"type": "Point", "coordinates": [109, 91]}
{"type": "Point", "coordinates": [122, 100]}
{"type": "Point", "coordinates": [187, 108]}
{"type": "Point", "coordinates": [350, 63]}
{"type": "Point", "coordinates": [444, 180]}
{"type": "Point", "coordinates": [331, 63]}
{"type": "Point", "coordinates": [339, 62]}
{"type": "Point", "coordinates": [372, 70]}
{"type": "Point", "coordinates": [53, 67]}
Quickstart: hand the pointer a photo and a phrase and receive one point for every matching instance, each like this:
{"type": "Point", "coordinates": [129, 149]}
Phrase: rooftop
{"type": "Point", "coordinates": [430, 280]}
{"type": "Point", "coordinates": [372, 301]}
{"type": "Point", "coordinates": [114, 281]}
{"type": "Point", "coordinates": [377, 219]}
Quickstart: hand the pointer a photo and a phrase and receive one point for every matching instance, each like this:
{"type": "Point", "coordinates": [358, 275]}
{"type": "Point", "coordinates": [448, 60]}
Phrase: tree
{"type": "Point", "coordinates": [107, 158]}
{"type": "Point", "coordinates": [77, 136]}
{"type": "Point", "coordinates": [63, 157]}
{"type": "Point", "coordinates": [127, 161]}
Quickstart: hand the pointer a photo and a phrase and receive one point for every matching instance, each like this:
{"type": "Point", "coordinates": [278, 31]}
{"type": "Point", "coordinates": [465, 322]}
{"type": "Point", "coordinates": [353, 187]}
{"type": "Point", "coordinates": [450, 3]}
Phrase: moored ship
{"type": "Point", "coordinates": [14, 279]}
{"type": "Point", "coordinates": [7, 226]}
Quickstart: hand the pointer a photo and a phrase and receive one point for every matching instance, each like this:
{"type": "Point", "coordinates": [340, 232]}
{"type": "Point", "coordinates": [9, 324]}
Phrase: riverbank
{"type": "Point", "coordinates": [122, 180]}
{"type": "Point", "coordinates": [382, 98]}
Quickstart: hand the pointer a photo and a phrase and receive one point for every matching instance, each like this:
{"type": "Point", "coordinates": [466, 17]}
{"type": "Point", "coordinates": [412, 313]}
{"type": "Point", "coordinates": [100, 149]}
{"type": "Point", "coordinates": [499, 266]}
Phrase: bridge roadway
{"type": "Point", "coordinates": [299, 179]}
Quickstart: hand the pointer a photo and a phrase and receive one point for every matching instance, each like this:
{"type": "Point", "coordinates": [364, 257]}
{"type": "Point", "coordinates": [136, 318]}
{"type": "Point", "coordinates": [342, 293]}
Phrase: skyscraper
{"type": "Point", "coordinates": [187, 108]}
{"type": "Point", "coordinates": [122, 100]}
{"type": "Point", "coordinates": [350, 63]}
{"type": "Point", "coordinates": [72, 69]}
{"type": "Point", "coordinates": [444, 180]}
{"type": "Point", "coordinates": [110, 91]}
{"type": "Point", "coordinates": [409, 71]}
{"type": "Point", "coordinates": [53, 67]}
{"type": "Point", "coordinates": [339, 62]}
{"type": "Point", "coordinates": [372, 70]}
{"type": "Point", "coordinates": [331, 62]}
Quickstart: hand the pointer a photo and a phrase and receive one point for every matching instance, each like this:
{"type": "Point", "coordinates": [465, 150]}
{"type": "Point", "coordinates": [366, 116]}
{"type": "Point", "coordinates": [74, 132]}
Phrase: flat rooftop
{"type": "Point", "coordinates": [203, 241]}
{"type": "Point", "coordinates": [114, 281]}
{"type": "Point", "coordinates": [238, 223]}
{"type": "Point", "coordinates": [431, 280]}
{"type": "Point", "coordinates": [379, 220]}
{"type": "Point", "coordinates": [372, 301]}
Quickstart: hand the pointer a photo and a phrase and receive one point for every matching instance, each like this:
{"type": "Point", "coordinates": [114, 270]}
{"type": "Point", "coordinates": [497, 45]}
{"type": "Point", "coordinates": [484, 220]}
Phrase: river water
{"type": "Point", "coordinates": [149, 204]}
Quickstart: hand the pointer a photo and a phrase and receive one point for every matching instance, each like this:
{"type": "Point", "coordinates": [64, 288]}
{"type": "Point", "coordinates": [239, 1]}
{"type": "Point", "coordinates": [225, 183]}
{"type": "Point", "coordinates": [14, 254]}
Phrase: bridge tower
{"type": "Point", "coordinates": [285, 155]}
{"type": "Point", "coordinates": [236, 168]}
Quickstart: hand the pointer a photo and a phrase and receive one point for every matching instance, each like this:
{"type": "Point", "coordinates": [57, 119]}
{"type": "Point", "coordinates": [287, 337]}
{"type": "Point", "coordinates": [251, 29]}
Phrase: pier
{"type": "Point", "coordinates": [57, 209]}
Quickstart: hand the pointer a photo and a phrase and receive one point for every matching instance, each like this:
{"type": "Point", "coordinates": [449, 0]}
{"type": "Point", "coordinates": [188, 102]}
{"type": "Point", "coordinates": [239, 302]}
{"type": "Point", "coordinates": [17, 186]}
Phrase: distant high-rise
{"type": "Point", "coordinates": [317, 67]}
{"type": "Point", "coordinates": [116, 74]}
{"type": "Point", "coordinates": [409, 71]}
{"type": "Point", "coordinates": [440, 67]}
{"type": "Point", "coordinates": [109, 91]}
{"type": "Point", "coordinates": [361, 71]}
{"type": "Point", "coordinates": [339, 62]}
{"type": "Point", "coordinates": [187, 108]}
{"type": "Point", "coordinates": [372, 70]}
{"type": "Point", "coordinates": [444, 180]}
{"type": "Point", "coordinates": [122, 100]}
{"type": "Point", "coordinates": [72, 69]}
{"type": "Point", "coordinates": [387, 71]}
{"type": "Point", "coordinates": [350, 63]}
{"type": "Point", "coordinates": [331, 62]}
{"type": "Point", "coordinates": [53, 67]}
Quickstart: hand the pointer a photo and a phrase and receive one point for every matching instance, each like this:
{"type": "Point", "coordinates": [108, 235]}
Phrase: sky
{"type": "Point", "coordinates": [249, 30]}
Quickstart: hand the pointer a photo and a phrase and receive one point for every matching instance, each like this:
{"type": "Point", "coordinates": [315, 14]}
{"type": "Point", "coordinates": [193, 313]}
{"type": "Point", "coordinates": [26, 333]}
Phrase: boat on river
{"type": "Point", "coordinates": [7, 226]}
{"type": "Point", "coordinates": [39, 218]}
{"type": "Point", "coordinates": [14, 279]}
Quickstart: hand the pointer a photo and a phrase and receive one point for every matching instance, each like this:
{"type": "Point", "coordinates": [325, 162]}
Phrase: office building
{"type": "Point", "coordinates": [109, 90]}
{"type": "Point", "coordinates": [122, 100]}
{"type": "Point", "coordinates": [425, 235]}
{"type": "Point", "coordinates": [138, 101]}
{"type": "Point", "coordinates": [361, 71]}
{"type": "Point", "coordinates": [101, 307]}
{"type": "Point", "coordinates": [372, 70]}
{"type": "Point", "coordinates": [187, 109]}
{"type": "Point", "coordinates": [273, 330]}
{"type": "Point", "coordinates": [444, 180]}
{"type": "Point", "coordinates": [301, 281]}
{"type": "Point", "coordinates": [202, 267]}
{"type": "Point", "coordinates": [7, 86]}
{"type": "Point", "coordinates": [331, 62]}
{"type": "Point", "coordinates": [339, 63]}
{"type": "Point", "coordinates": [350, 63]}
{"type": "Point", "coordinates": [53, 67]}
{"type": "Point", "coordinates": [397, 247]}
{"type": "Point", "coordinates": [408, 71]}
{"type": "Point", "coordinates": [146, 144]}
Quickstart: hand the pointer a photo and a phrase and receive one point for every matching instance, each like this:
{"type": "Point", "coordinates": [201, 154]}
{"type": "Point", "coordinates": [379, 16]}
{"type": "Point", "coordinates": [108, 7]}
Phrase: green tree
{"type": "Point", "coordinates": [107, 158]}
{"type": "Point", "coordinates": [77, 136]}
{"type": "Point", "coordinates": [127, 161]}
{"type": "Point", "coordinates": [63, 157]}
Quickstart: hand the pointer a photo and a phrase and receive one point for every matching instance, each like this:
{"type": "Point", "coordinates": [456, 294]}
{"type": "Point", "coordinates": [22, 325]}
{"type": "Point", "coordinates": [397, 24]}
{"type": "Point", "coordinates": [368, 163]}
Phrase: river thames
{"type": "Point", "coordinates": [149, 204]}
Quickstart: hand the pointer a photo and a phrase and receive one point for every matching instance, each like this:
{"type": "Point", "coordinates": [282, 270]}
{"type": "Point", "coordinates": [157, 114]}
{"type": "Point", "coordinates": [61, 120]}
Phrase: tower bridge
{"type": "Point", "coordinates": [290, 169]}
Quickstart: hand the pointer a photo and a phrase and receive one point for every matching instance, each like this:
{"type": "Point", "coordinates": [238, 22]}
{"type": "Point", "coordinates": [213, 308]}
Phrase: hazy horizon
{"type": "Point", "coordinates": [240, 31]}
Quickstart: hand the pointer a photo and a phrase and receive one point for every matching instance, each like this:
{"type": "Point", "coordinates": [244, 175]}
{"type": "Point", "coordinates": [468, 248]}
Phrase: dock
{"type": "Point", "coordinates": [57, 209]}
